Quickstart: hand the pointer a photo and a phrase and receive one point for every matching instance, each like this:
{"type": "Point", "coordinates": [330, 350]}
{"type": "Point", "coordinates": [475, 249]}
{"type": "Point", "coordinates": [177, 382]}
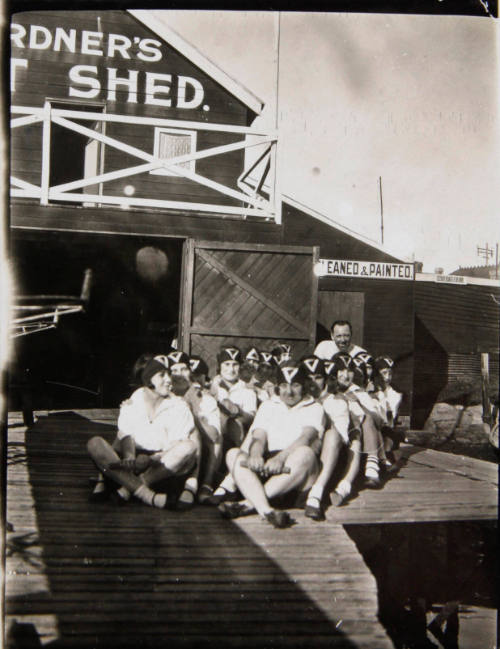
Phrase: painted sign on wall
{"type": "Point", "coordinates": [103, 72]}
{"type": "Point", "coordinates": [363, 269]}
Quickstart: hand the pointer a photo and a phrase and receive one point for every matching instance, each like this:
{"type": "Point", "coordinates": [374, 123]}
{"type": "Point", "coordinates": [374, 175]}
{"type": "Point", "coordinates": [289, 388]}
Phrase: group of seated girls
{"type": "Point", "coordinates": [280, 423]}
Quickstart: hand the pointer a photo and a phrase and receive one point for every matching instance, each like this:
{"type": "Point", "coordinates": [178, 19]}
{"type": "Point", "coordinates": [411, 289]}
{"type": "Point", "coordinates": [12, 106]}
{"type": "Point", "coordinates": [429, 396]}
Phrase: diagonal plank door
{"type": "Point", "coordinates": [247, 295]}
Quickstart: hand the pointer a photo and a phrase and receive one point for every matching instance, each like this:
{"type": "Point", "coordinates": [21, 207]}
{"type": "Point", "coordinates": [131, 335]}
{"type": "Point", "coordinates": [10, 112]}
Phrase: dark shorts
{"type": "Point", "coordinates": [395, 435]}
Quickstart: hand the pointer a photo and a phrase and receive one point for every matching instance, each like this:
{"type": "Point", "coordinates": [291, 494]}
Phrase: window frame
{"type": "Point", "coordinates": [174, 131]}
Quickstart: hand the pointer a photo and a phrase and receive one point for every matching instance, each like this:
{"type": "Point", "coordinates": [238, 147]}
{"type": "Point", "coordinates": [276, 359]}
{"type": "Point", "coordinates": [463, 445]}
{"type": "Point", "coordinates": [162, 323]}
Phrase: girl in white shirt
{"type": "Point", "coordinates": [390, 402]}
{"type": "Point", "coordinates": [345, 418]}
{"type": "Point", "coordinates": [237, 402]}
{"type": "Point", "coordinates": [207, 418]}
{"type": "Point", "coordinates": [154, 439]}
{"type": "Point", "coordinates": [277, 455]}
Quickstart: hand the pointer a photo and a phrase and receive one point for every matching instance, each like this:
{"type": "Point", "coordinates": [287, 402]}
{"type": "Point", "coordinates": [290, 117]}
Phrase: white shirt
{"type": "Point", "coordinates": [368, 404]}
{"type": "Point", "coordinates": [328, 348]}
{"type": "Point", "coordinates": [284, 425]}
{"type": "Point", "coordinates": [172, 421]}
{"type": "Point", "coordinates": [337, 410]}
{"type": "Point", "coordinates": [239, 393]}
{"type": "Point", "coordinates": [390, 400]}
{"type": "Point", "coordinates": [205, 409]}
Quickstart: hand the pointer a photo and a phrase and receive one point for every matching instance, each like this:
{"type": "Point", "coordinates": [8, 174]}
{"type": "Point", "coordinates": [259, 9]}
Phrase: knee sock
{"type": "Point", "coordinates": [371, 469]}
{"type": "Point", "coordinates": [150, 497]}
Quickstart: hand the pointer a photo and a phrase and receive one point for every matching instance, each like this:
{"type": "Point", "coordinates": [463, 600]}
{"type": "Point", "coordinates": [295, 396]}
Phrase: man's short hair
{"type": "Point", "coordinates": [341, 323]}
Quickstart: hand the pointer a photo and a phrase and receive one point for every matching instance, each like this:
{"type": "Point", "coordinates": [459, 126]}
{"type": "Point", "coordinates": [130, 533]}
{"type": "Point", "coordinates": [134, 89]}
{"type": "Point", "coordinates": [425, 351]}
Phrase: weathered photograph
{"type": "Point", "coordinates": [252, 354]}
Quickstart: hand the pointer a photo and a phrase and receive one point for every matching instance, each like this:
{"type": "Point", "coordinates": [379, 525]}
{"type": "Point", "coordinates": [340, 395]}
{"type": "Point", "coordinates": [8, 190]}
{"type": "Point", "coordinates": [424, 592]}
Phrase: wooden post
{"type": "Point", "coordinates": [45, 179]}
{"type": "Point", "coordinates": [186, 298]}
{"type": "Point", "coordinates": [485, 385]}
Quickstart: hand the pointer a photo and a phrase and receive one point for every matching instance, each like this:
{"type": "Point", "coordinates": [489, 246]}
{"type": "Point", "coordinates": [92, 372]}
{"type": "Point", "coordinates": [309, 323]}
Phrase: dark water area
{"type": "Point", "coordinates": [438, 571]}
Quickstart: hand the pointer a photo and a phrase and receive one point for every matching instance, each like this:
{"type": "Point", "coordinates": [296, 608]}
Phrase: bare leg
{"type": "Point", "coordinates": [174, 462]}
{"type": "Point", "coordinates": [248, 482]}
{"type": "Point", "coordinates": [303, 466]}
{"type": "Point", "coordinates": [332, 443]}
{"type": "Point", "coordinates": [212, 441]}
{"type": "Point", "coordinates": [344, 487]}
{"type": "Point", "coordinates": [100, 489]}
{"type": "Point", "coordinates": [186, 499]}
{"type": "Point", "coordinates": [104, 455]}
{"type": "Point", "coordinates": [303, 470]}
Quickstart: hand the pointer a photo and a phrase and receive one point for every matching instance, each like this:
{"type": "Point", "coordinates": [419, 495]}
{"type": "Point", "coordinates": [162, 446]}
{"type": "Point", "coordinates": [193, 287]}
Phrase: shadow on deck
{"type": "Point", "coordinates": [420, 567]}
{"type": "Point", "coordinates": [83, 575]}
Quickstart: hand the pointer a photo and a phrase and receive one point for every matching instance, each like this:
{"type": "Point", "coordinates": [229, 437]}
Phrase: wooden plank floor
{"type": "Point", "coordinates": [430, 486]}
{"type": "Point", "coordinates": [82, 575]}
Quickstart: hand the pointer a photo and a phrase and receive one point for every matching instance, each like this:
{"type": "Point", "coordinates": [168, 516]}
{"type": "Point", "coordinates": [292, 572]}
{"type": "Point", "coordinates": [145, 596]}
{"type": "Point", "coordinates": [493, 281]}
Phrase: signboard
{"type": "Point", "coordinates": [107, 65]}
{"type": "Point", "coordinates": [450, 279]}
{"type": "Point", "coordinates": [363, 269]}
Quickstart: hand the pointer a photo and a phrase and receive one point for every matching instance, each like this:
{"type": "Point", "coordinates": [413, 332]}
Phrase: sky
{"type": "Point", "coordinates": [410, 99]}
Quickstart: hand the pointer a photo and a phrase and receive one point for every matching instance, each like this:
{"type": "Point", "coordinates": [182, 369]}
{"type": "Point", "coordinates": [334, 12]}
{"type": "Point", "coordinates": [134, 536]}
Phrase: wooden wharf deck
{"type": "Point", "coordinates": [82, 575]}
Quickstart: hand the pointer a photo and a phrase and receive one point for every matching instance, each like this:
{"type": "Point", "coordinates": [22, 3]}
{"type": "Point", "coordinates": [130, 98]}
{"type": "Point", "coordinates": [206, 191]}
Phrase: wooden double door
{"type": "Point", "coordinates": [247, 295]}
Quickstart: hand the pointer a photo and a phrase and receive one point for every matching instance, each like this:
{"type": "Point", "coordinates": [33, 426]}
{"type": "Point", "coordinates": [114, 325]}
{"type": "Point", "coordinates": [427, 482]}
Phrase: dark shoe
{"type": "Point", "coordinates": [279, 519]}
{"type": "Point", "coordinates": [99, 496]}
{"type": "Point", "coordinates": [117, 500]}
{"type": "Point", "coordinates": [372, 483]}
{"type": "Point", "coordinates": [205, 495]}
{"type": "Point", "coordinates": [314, 511]}
{"type": "Point", "coordinates": [104, 495]}
{"type": "Point", "coordinates": [234, 510]}
{"type": "Point", "coordinates": [390, 469]}
{"type": "Point", "coordinates": [227, 496]}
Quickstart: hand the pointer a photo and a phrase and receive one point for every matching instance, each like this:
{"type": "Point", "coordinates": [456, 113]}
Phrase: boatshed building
{"type": "Point", "coordinates": [135, 156]}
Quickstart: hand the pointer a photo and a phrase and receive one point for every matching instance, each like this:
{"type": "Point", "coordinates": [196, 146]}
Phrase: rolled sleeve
{"type": "Point", "coordinates": [129, 421]}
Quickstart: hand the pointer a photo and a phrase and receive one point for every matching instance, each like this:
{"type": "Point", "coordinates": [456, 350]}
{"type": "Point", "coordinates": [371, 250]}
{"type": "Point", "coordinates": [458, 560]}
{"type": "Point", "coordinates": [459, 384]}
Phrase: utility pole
{"type": "Point", "coordinates": [496, 261]}
{"type": "Point", "coordinates": [485, 252]}
{"type": "Point", "coordinates": [381, 210]}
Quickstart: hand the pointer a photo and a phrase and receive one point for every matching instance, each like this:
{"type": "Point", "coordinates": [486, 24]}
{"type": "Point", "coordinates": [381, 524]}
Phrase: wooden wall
{"type": "Point", "coordinates": [462, 318]}
{"type": "Point", "coordinates": [47, 76]}
{"type": "Point", "coordinates": [430, 373]}
{"type": "Point", "coordinates": [454, 324]}
{"type": "Point", "coordinates": [112, 220]}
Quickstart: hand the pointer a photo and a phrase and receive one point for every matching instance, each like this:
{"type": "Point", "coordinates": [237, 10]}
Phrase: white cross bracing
{"type": "Point", "coordinates": [253, 203]}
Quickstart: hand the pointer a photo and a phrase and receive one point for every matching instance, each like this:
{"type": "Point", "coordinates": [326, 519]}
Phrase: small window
{"type": "Point", "coordinates": [170, 143]}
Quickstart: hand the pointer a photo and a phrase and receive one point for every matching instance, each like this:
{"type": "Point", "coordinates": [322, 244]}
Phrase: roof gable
{"type": "Point", "coordinates": [147, 18]}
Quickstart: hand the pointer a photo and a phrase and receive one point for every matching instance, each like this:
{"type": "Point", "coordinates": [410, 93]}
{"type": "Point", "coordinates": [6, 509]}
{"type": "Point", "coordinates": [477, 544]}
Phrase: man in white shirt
{"type": "Point", "coordinates": [341, 333]}
{"type": "Point", "coordinates": [277, 455]}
